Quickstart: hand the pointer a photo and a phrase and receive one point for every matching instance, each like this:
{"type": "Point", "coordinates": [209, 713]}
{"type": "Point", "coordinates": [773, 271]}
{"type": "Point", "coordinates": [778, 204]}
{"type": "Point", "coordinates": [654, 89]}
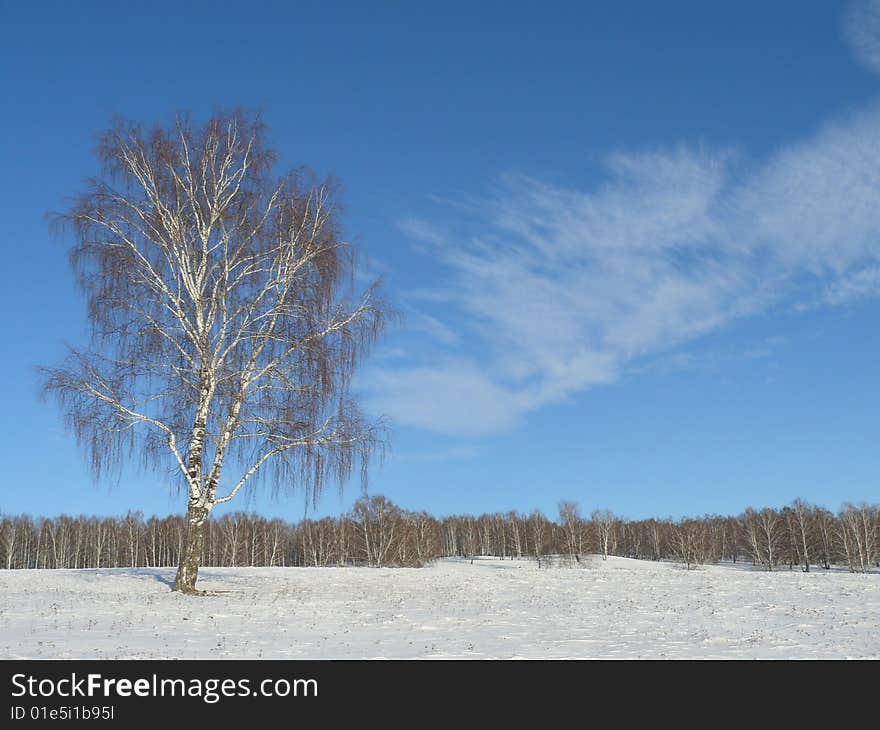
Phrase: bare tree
{"type": "Point", "coordinates": [763, 532]}
{"type": "Point", "coordinates": [9, 532]}
{"type": "Point", "coordinates": [691, 541]}
{"type": "Point", "coordinates": [858, 534]}
{"type": "Point", "coordinates": [603, 524]}
{"type": "Point", "coordinates": [655, 538]}
{"type": "Point", "coordinates": [572, 528]}
{"type": "Point", "coordinates": [802, 520]}
{"type": "Point", "coordinates": [132, 525]}
{"type": "Point", "coordinates": [379, 520]}
{"type": "Point", "coordinates": [538, 526]}
{"type": "Point", "coordinates": [824, 522]}
{"type": "Point", "coordinates": [225, 327]}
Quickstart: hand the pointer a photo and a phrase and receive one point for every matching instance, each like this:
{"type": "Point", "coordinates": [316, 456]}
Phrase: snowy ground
{"type": "Point", "coordinates": [453, 609]}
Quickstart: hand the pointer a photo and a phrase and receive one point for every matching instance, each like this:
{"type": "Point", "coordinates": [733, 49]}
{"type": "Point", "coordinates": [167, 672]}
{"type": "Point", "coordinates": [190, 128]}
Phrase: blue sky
{"type": "Point", "coordinates": [637, 243]}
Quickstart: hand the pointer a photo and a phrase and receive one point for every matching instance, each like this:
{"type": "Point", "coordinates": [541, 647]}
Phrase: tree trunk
{"type": "Point", "coordinates": [191, 554]}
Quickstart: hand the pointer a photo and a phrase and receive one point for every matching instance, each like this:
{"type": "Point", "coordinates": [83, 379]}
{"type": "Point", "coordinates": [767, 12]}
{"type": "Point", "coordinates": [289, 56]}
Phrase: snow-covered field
{"type": "Point", "coordinates": [453, 609]}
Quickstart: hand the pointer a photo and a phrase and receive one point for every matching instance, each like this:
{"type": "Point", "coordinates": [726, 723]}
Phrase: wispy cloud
{"type": "Point", "coordinates": [564, 289]}
{"type": "Point", "coordinates": [860, 284]}
{"type": "Point", "coordinates": [813, 207]}
{"type": "Point", "coordinates": [452, 453]}
{"type": "Point", "coordinates": [675, 362]}
{"type": "Point", "coordinates": [862, 28]}
{"type": "Point", "coordinates": [455, 397]}
{"type": "Point", "coordinates": [417, 321]}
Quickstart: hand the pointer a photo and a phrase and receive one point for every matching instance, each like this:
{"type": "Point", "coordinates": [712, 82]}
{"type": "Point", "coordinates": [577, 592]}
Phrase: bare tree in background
{"type": "Point", "coordinates": [764, 532]}
{"type": "Point", "coordinates": [802, 519]}
{"type": "Point", "coordinates": [572, 528]}
{"type": "Point", "coordinates": [379, 521]}
{"type": "Point", "coordinates": [538, 526]}
{"type": "Point", "coordinates": [225, 327]}
{"type": "Point", "coordinates": [691, 541]}
{"type": "Point", "coordinates": [859, 536]}
{"type": "Point", "coordinates": [603, 524]}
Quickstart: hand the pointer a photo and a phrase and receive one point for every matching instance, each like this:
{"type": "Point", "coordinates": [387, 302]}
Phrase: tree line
{"type": "Point", "coordinates": [377, 532]}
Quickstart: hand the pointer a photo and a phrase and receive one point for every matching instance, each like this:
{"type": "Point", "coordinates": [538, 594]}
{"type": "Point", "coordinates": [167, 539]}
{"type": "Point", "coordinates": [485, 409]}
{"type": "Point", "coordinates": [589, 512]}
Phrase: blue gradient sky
{"type": "Point", "coordinates": [638, 243]}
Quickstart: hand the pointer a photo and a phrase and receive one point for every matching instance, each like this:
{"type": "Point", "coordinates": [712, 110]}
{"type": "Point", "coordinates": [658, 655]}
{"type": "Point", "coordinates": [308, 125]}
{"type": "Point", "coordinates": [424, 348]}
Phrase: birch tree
{"type": "Point", "coordinates": [603, 522]}
{"type": "Point", "coordinates": [804, 533]}
{"type": "Point", "coordinates": [859, 536]}
{"type": "Point", "coordinates": [225, 324]}
{"type": "Point", "coordinates": [572, 528]}
{"type": "Point", "coordinates": [379, 521]}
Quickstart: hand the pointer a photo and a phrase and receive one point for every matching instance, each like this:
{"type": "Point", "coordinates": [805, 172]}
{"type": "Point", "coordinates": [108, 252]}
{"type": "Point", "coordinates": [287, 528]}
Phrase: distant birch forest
{"type": "Point", "coordinates": [379, 533]}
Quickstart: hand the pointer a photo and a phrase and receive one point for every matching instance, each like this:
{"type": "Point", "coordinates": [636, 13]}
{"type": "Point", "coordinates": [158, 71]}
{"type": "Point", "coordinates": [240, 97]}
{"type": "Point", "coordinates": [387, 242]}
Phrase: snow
{"type": "Point", "coordinates": [490, 608]}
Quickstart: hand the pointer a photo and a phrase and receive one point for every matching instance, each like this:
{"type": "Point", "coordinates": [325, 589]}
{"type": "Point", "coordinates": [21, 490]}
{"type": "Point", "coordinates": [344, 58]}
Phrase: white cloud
{"type": "Point", "coordinates": [452, 453]}
{"type": "Point", "coordinates": [454, 397]}
{"type": "Point", "coordinates": [862, 284]}
{"type": "Point", "coordinates": [565, 289]}
{"type": "Point", "coordinates": [417, 321]}
{"type": "Point", "coordinates": [862, 30]}
{"type": "Point", "coordinates": [814, 206]}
